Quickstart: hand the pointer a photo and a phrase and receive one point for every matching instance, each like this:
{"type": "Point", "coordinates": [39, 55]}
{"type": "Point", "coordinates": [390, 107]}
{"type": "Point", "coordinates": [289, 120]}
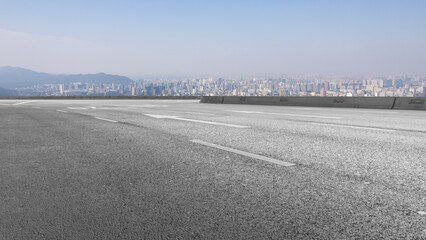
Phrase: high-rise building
{"type": "Point", "coordinates": [326, 86]}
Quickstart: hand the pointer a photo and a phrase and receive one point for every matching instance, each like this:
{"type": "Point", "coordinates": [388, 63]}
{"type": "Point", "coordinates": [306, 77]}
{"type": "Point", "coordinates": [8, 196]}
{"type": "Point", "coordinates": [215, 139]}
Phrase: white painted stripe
{"type": "Point", "coordinates": [147, 106]}
{"type": "Point", "coordinates": [61, 111]}
{"type": "Point", "coordinates": [356, 127]}
{"type": "Point", "coordinates": [200, 113]}
{"type": "Point", "coordinates": [198, 121]}
{"type": "Point", "coordinates": [22, 103]}
{"type": "Point", "coordinates": [247, 154]}
{"type": "Point", "coordinates": [92, 107]}
{"type": "Point", "coordinates": [36, 107]}
{"type": "Point", "coordinates": [284, 114]}
{"type": "Point", "coordinates": [354, 110]}
{"type": "Point", "coordinates": [212, 123]}
{"type": "Point", "coordinates": [82, 108]}
{"type": "Point", "coordinates": [104, 119]}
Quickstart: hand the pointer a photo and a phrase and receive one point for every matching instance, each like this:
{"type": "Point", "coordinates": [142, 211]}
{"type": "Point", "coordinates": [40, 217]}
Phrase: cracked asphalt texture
{"type": "Point", "coordinates": [68, 175]}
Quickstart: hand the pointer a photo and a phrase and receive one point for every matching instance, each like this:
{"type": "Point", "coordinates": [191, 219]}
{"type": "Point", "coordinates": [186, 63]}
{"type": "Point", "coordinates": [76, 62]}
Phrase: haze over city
{"type": "Point", "coordinates": [188, 38]}
{"type": "Point", "coordinates": [236, 119]}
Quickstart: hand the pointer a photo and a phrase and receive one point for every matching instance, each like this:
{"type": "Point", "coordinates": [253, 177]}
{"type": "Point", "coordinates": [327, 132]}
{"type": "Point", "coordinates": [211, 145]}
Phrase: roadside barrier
{"type": "Point", "coordinates": [410, 103]}
{"type": "Point", "coordinates": [343, 102]}
{"type": "Point", "coordinates": [211, 99]}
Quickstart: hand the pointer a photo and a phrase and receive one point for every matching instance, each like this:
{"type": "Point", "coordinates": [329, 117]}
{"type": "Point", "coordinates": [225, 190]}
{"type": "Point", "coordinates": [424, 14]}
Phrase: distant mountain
{"type": "Point", "coordinates": [8, 92]}
{"type": "Point", "coordinates": [14, 77]}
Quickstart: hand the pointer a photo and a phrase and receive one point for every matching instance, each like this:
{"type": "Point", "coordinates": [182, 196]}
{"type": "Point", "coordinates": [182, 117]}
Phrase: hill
{"type": "Point", "coordinates": [14, 77]}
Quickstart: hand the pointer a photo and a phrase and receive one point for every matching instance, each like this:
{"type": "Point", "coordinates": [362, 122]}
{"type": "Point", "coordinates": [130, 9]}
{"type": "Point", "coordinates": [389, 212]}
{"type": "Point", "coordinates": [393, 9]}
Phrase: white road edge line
{"type": "Point", "coordinates": [284, 114]}
{"type": "Point", "coordinates": [198, 121]}
{"type": "Point", "coordinates": [61, 111]}
{"type": "Point", "coordinates": [22, 103]}
{"type": "Point", "coordinates": [247, 154]}
{"type": "Point", "coordinates": [104, 119]}
{"type": "Point", "coordinates": [357, 127]}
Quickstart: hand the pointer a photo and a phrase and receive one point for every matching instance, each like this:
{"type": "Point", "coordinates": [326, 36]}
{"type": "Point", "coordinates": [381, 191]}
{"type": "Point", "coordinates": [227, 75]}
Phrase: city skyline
{"type": "Point", "coordinates": [395, 86]}
{"type": "Point", "coordinates": [170, 38]}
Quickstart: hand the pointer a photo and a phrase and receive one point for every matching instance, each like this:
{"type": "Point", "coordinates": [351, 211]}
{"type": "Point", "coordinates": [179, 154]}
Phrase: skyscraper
{"type": "Point", "coordinates": [61, 89]}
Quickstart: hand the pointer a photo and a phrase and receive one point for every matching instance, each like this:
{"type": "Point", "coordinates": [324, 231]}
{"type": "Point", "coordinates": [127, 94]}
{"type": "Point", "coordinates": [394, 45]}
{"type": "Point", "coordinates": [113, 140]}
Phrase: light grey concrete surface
{"type": "Point", "coordinates": [107, 169]}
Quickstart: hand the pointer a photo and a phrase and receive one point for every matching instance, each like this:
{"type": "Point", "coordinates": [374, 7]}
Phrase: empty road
{"type": "Point", "coordinates": [179, 169]}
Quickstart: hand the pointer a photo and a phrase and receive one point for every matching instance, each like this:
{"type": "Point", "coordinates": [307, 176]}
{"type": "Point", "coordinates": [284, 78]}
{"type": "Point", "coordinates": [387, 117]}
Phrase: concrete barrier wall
{"type": "Point", "coordinates": [343, 102]}
{"type": "Point", "coordinates": [410, 103]}
{"type": "Point", "coordinates": [211, 99]}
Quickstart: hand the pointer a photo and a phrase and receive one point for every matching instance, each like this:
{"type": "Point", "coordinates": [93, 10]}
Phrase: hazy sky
{"type": "Point", "coordinates": [181, 37]}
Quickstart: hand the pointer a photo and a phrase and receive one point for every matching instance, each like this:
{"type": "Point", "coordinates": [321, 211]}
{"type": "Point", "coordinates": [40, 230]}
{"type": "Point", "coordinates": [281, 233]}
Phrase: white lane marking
{"type": "Point", "coordinates": [105, 119]}
{"type": "Point", "coordinates": [22, 102]}
{"type": "Point", "coordinates": [247, 154]}
{"type": "Point", "coordinates": [357, 127]}
{"type": "Point", "coordinates": [147, 106]}
{"type": "Point", "coordinates": [83, 108]}
{"type": "Point", "coordinates": [198, 121]}
{"type": "Point", "coordinates": [36, 107]}
{"type": "Point", "coordinates": [284, 114]}
{"type": "Point", "coordinates": [200, 113]}
{"type": "Point", "coordinates": [421, 212]}
{"type": "Point", "coordinates": [97, 107]}
{"type": "Point", "coordinates": [161, 116]}
{"type": "Point", "coordinates": [61, 111]}
{"type": "Point", "coordinates": [344, 110]}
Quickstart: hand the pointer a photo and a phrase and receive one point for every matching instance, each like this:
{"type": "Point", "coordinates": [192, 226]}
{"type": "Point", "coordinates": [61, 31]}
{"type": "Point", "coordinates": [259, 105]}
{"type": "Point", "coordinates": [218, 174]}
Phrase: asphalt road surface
{"type": "Point", "coordinates": [179, 169]}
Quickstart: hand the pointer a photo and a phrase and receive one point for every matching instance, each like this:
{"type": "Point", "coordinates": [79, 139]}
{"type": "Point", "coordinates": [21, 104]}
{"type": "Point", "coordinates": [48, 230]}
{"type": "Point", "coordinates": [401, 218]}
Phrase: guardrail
{"type": "Point", "coordinates": [409, 103]}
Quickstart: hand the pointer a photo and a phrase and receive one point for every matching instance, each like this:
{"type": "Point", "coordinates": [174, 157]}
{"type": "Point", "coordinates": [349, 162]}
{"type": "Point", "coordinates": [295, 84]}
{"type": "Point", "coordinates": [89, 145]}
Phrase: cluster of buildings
{"type": "Point", "coordinates": [258, 86]}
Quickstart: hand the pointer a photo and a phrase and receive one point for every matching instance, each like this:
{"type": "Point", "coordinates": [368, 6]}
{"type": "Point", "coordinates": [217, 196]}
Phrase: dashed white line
{"type": "Point", "coordinates": [356, 127]}
{"type": "Point", "coordinates": [284, 114]}
{"type": "Point", "coordinates": [200, 113]}
{"type": "Point", "coordinates": [336, 110]}
{"type": "Point", "coordinates": [105, 119]}
{"type": "Point", "coordinates": [19, 103]}
{"type": "Point", "coordinates": [92, 107]}
{"type": "Point", "coordinates": [147, 106]}
{"type": "Point", "coordinates": [81, 108]}
{"type": "Point", "coordinates": [198, 121]}
{"type": "Point", "coordinates": [247, 154]}
{"type": "Point", "coordinates": [61, 111]}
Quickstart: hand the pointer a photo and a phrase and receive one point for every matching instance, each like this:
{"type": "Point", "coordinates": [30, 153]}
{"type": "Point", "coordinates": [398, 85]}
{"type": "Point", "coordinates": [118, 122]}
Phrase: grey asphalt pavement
{"type": "Point", "coordinates": [179, 169]}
